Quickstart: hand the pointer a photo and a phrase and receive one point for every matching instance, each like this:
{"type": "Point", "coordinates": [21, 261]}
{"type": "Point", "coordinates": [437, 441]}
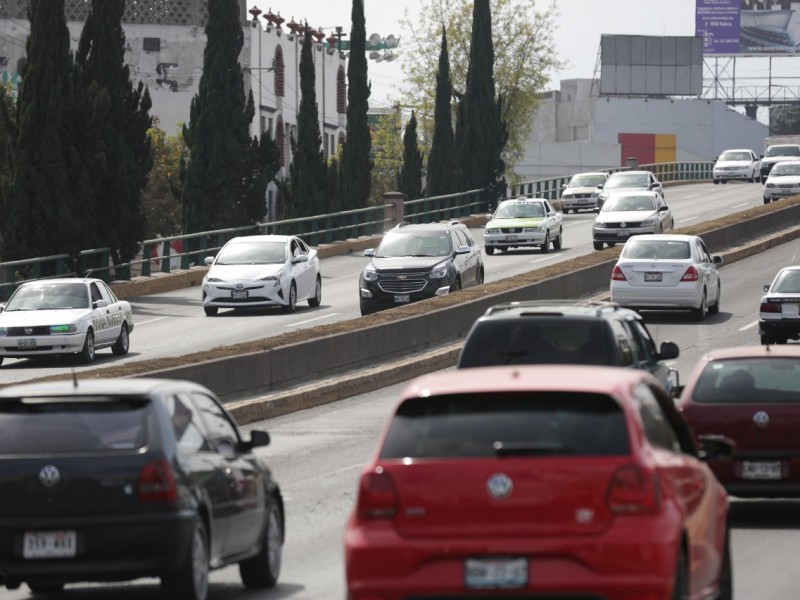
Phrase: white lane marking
{"type": "Point", "coordinates": [749, 326]}
{"type": "Point", "coordinates": [547, 258]}
{"type": "Point", "coordinates": [688, 219]}
{"type": "Point", "coordinates": [692, 196]}
{"type": "Point", "coordinates": [312, 320]}
{"type": "Point", "coordinates": [150, 321]}
{"type": "Point", "coordinates": [740, 205]}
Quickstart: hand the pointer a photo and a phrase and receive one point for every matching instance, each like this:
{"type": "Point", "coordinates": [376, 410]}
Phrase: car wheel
{"type": "Point", "coordinates": [211, 311]}
{"type": "Point", "coordinates": [557, 241]}
{"type": "Point", "coordinates": [700, 311]}
{"type": "Point", "coordinates": [317, 299]}
{"type": "Point", "coordinates": [723, 181]}
{"type": "Point", "coordinates": [714, 308]}
{"type": "Point", "coordinates": [680, 589]}
{"type": "Point", "coordinates": [725, 581]}
{"type": "Point", "coordinates": [766, 200]}
{"type": "Point", "coordinates": [598, 245]}
{"type": "Point", "coordinates": [262, 570]}
{"type": "Point", "coordinates": [121, 346]}
{"type": "Point", "coordinates": [87, 354]}
{"type": "Point", "coordinates": [716, 182]}
{"type": "Point", "coordinates": [481, 276]}
{"type": "Point", "coordinates": [191, 580]}
{"type": "Point", "coordinates": [292, 302]}
{"type": "Point", "coordinates": [567, 211]}
{"type": "Point", "coordinates": [545, 247]}
{"type": "Point", "coordinates": [45, 589]}
{"type": "Point", "coordinates": [456, 286]}
{"type": "Point", "coordinates": [765, 340]}
{"type": "Point", "coordinates": [489, 250]}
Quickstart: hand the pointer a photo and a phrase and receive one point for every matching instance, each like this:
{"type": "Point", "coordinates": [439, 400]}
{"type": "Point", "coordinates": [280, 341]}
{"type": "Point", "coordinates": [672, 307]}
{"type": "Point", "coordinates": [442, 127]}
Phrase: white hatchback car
{"type": "Point", "coordinates": [737, 164]}
{"type": "Point", "coordinates": [667, 272]}
{"type": "Point", "coordinates": [257, 271]}
{"type": "Point", "coordinates": [783, 181]}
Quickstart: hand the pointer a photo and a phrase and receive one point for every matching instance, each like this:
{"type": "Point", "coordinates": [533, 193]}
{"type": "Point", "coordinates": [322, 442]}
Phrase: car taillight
{"type": "Point", "coordinates": [690, 275]}
{"type": "Point", "coordinates": [770, 307]}
{"type": "Point", "coordinates": [633, 491]}
{"type": "Point", "coordinates": [377, 498]}
{"type": "Point", "coordinates": [617, 274]}
{"type": "Point", "coordinates": [157, 483]}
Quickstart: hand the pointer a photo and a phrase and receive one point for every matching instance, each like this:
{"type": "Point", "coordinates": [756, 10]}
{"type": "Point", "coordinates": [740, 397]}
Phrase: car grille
{"type": "Point", "coordinates": [628, 225]}
{"type": "Point", "coordinates": [579, 196]}
{"type": "Point", "coordinates": [511, 230]}
{"type": "Point", "coordinates": [402, 283]}
{"type": "Point", "coordinates": [786, 186]}
{"type": "Point", "coordinates": [28, 331]}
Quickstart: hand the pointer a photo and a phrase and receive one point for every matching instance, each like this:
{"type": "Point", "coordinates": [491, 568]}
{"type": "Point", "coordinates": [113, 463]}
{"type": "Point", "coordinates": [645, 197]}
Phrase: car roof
{"type": "Point", "coordinates": [587, 308]}
{"type": "Point", "coordinates": [63, 280]}
{"type": "Point", "coordinates": [405, 226]}
{"type": "Point", "coordinates": [260, 238]}
{"type": "Point", "coordinates": [135, 386]}
{"type": "Point", "coordinates": [784, 163]}
{"type": "Point", "coordinates": [790, 268]}
{"type": "Point", "coordinates": [672, 237]}
{"type": "Point", "coordinates": [754, 351]}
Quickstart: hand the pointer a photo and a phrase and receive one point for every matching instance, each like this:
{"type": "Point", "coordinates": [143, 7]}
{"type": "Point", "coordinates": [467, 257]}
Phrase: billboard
{"type": "Point", "coordinates": [753, 27]}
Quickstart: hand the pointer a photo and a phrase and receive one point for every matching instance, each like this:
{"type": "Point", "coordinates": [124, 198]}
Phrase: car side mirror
{"type": "Point", "coordinates": [766, 289]}
{"type": "Point", "coordinates": [100, 303]}
{"type": "Point", "coordinates": [663, 208]}
{"type": "Point", "coordinates": [714, 447]}
{"type": "Point", "coordinates": [463, 250]}
{"type": "Point", "coordinates": [489, 216]}
{"type": "Point", "coordinates": [300, 258]}
{"type": "Point", "coordinates": [257, 438]}
{"type": "Point", "coordinates": [208, 260]}
{"type": "Point", "coordinates": [599, 186]}
{"type": "Point", "coordinates": [369, 252]}
{"type": "Point", "coordinates": [668, 351]}
{"type": "Point", "coordinates": [717, 259]}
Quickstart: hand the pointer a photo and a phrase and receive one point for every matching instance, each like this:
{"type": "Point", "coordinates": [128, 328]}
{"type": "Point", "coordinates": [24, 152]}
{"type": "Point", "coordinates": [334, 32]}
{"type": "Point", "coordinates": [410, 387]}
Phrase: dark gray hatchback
{"type": "Point", "coordinates": [115, 479]}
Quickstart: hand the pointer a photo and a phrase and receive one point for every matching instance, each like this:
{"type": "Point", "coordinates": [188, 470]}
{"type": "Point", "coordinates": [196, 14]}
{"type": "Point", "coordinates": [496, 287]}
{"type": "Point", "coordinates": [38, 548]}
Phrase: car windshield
{"type": "Point", "coordinates": [787, 282]}
{"type": "Point", "coordinates": [414, 243]}
{"type": "Point", "coordinates": [519, 210]}
{"type": "Point", "coordinates": [634, 203]}
{"type": "Point", "coordinates": [750, 380]}
{"type": "Point", "coordinates": [656, 249]}
{"type": "Point", "coordinates": [783, 169]}
{"type": "Point", "coordinates": [587, 180]}
{"type": "Point", "coordinates": [624, 180]}
{"type": "Point", "coordinates": [733, 155]}
{"type": "Point", "coordinates": [49, 296]}
{"type": "Point", "coordinates": [484, 425]}
{"type": "Point", "coordinates": [782, 151]}
{"type": "Point", "coordinates": [252, 253]}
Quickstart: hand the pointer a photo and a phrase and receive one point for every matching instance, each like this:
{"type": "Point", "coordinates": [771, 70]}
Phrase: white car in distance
{"type": "Point", "coordinates": [742, 164]}
{"type": "Point", "coordinates": [783, 181]}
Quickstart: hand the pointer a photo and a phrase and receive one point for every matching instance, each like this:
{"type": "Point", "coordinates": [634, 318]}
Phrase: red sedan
{"type": "Point", "coordinates": [750, 395]}
{"type": "Point", "coordinates": [538, 480]}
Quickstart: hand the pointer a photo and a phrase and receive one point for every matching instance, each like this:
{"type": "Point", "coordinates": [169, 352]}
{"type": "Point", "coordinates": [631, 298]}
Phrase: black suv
{"type": "Point", "coordinates": [566, 332]}
{"type": "Point", "coordinates": [414, 262]}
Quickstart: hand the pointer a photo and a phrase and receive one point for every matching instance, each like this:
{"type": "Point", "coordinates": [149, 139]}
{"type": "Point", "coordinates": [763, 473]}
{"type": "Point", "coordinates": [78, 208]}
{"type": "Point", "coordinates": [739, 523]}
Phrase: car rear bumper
{"type": "Point", "coordinates": [729, 474]}
{"type": "Point", "coordinates": [787, 327]}
{"type": "Point", "coordinates": [656, 298]}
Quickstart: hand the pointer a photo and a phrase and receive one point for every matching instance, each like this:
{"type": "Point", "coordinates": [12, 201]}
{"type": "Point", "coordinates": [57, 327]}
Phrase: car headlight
{"type": "Point", "coordinates": [71, 328]}
{"type": "Point", "coordinates": [603, 195]}
{"type": "Point", "coordinates": [439, 272]}
{"type": "Point", "coordinates": [770, 185]}
{"type": "Point", "coordinates": [599, 225]}
{"type": "Point", "coordinates": [370, 274]}
{"type": "Point", "coordinates": [648, 223]}
{"type": "Point", "coordinates": [3, 331]}
{"type": "Point", "coordinates": [272, 278]}
{"type": "Point", "coordinates": [214, 280]}
{"type": "Point", "coordinates": [492, 231]}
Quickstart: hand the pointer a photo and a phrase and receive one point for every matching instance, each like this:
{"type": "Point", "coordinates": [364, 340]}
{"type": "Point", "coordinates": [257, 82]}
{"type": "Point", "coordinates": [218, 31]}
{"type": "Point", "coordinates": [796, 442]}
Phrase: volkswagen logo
{"type": "Point", "coordinates": [49, 476]}
{"type": "Point", "coordinates": [499, 485]}
{"type": "Point", "coordinates": [28, 330]}
{"type": "Point", "coordinates": [623, 225]}
{"type": "Point", "coordinates": [239, 286]}
{"type": "Point", "coordinates": [761, 419]}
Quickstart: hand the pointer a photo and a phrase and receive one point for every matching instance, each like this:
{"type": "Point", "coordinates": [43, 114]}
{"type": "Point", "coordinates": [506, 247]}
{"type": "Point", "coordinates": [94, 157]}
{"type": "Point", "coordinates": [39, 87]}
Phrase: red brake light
{"type": "Point", "coordinates": [617, 274]}
{"type": "Point", "coordinates": [157, 483]}
{"type": "Point", "coordinates": [770, 307]}
{"type": "Point", "coordinates": [690, 275]}
{"type": "Point", "coordinates": [633, 491]}
{"type": "Point", "coordinates": [377, 498]}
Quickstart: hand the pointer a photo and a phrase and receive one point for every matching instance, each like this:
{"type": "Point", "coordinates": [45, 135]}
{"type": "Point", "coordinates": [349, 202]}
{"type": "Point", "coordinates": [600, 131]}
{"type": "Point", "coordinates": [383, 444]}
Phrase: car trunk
{"type": "Point", "coordinates": [653, 273]}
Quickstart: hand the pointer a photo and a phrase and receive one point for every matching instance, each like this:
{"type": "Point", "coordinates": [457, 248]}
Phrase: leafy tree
{"type": "Point", "coordinates": [523, 44]}
{"type": "Point", "coordinates": [387, 153]}
{"type": "Point", "coordinates": [226, 176]}
{"type": "Point", "coordinates": [442, 171]}
{"type": "Point", "coordinates": [355, 166]}
{"type": "Point", "coordinates": [784, 120]}
{"type": "Point", "coordinates": [409, 179]}
{"type": "Point", "coordinates": [161, 199]}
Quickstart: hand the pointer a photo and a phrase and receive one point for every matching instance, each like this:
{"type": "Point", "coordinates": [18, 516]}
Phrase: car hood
{"type": "Point", "coordinates": [580, 190]}
{"type": "Point", "coordinates": [244, 272]}
{"type": "Point", "coordinates": [627, 188]}
{"type": "Point", "coordinates": [630, 216]}
{"type": "Point", "coordinates": [776, 159]}
{"type": "Point", "coordinates": [732, 163]}
{"type": "Point", "coordinates": [528, 222]}
{"type": "Point", "coordinates": [793, 180]}
{"type": "Point", "coordinates": [421, 263]}
{"type": "Point", "coordinates": [33, 318]}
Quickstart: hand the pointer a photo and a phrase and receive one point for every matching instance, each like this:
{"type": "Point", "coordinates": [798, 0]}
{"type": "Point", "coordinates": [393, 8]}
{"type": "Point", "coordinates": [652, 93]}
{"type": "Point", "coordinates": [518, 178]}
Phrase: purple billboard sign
{"type": "Point", "coordinates": [717, 22]}
{"type": "Point", "coordinates": [747, 26]}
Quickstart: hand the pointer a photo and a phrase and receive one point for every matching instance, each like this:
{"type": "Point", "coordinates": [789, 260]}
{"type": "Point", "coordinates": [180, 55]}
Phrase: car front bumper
{"type": "Point", "coordinates": [41, 345]}
{"type": "Point", "coordinates": [244, 294]}
{"type": "Point", "coordinates": [740, 173]}
{"type": "Point", "coordinates": [373, 297]}
{"type": "Point", "coordinates": [569, 203]}
{"type": "Point", "coordinates": [514, 240]}
{"type": "Point", "coordinates": [778, 193]}
{"type": "Point", "coordinates": [619, 236]}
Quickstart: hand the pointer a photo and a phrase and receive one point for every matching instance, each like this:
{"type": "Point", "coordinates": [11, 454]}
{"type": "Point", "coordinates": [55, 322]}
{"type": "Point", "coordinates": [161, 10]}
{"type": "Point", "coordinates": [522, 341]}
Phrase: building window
{"type": "Point", "coordinates": [263, 123]}
{"type": "Point", "coordinates": [150, 44]}
{"type": "Point", "coordinates": [341, 92]}
{"type": "Point", "coordinates": [280, 74]}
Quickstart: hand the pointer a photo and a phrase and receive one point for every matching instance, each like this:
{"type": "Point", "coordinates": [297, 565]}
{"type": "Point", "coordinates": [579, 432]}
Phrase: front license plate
{"type": "Point", "coordinates": [239, 294]}
{"type": "Point", "coordinates": [583, 201]}
{"type": "Point", "coordinates": [623, 233]}
{"type": "Point", "coordinates": [511, 238]}
{"type": "Point", "coordinates": [496, 573]}
{"type": "Point", "coordinates": [652, 276]}
{"type": "Point", "coordinates": [761, 470]}
{"type": "Point", "coordinates": [402, 299]}
{"type": "Point", "coordinates": [49, 544]}
{"type": "Point", "coordinates": [26, 343]}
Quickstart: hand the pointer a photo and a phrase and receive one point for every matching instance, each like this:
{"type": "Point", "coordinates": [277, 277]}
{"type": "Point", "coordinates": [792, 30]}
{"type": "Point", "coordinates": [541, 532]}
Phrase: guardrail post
{"type": "Point", "coordinates": [165, 256]}
{"type": "Point", "coordinates": [146, 251]}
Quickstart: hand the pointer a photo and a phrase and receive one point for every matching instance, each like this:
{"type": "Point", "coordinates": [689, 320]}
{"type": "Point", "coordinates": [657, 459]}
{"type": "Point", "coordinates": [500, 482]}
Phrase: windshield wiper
{"type": "Point", "coordinates": [530, 448]}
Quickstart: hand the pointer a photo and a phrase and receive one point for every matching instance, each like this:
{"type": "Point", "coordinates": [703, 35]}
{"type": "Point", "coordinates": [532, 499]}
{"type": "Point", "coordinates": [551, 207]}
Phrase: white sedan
{"type": "Point", "coordinates": [64, 316]}
{"type": "Point", "coordinates": [779, 310]}
{"type": "Point", "coordinates": [783, 181]}
{"type": "Point", "coordinates": [667, 272]}
{"type": "Point", "coordinates": [737, 164]}
{"type": "Point", "coordinates": [258, 271]}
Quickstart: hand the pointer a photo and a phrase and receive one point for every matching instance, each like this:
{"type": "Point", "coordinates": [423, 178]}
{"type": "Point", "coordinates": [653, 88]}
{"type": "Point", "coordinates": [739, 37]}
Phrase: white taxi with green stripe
{"type": "Point", "coordinates": [523, 223]}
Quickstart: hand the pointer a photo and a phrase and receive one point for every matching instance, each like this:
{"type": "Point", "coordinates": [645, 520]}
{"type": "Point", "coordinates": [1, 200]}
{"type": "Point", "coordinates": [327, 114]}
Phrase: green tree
{"type": "Point", "coordinates": [442, 173]}
{"type": "Point", "coordinates": [161, 199]}
{"type": "Point", "coordinates": [409, 179]}
{"type": "Point", "coordinates": [307, 173]}
{"type": "Point", "coordinates": [121, 118]}
{"type": "Point", "coordinates": [387, 153]}
{"type": "Point", "coordinates": [355, 165]}
{"type": "Point", "coordinates": [225, 176]}
{"type": "Point", "coordinates": [523, 52]}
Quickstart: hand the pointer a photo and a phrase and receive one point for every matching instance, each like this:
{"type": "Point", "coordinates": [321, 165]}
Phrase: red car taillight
{"type": "Point", "coordinates": [770, 307]}
{"type": "Point", "coordinates": [690, 275]}
{"type": "Point", "coordinates": [377, 498]}
{"type": "Point", "coordinates": [157, 483]}
{"type": "Point", "coordinates": [633, 491]}
{"type": "Point", "coordinates": [617, 274]}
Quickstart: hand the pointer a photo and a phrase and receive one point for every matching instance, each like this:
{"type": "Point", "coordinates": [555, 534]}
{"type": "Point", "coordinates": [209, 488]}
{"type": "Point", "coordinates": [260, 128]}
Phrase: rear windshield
{"type": "Point", "coordinates": [505, 424]}
{"type": "Point", "coordinates": [787, 282]}
{"type": "Point", "coordinates": [767, 380]}
{"type": "Point", "coordinates": [527, 340]}
{"type": "Point", "coordinates": [47, 426]}
{"type": "Point", "coordinates": [656, 249]}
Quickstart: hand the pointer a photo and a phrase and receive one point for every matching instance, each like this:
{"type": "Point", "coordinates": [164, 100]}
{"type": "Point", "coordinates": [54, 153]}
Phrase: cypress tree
{"type": "Point", "coordinates": [355, 167]}
{"type": "Point", "coordinates": [122, 119]}
{"type": "Point", "coordinates": [307, 172]}
{"type": "Point", "coordinates": [442, 177]}
{"type": "Point", "coordinates": [409, 179]}
{"type": "Point", "coordinates": [221, 188]}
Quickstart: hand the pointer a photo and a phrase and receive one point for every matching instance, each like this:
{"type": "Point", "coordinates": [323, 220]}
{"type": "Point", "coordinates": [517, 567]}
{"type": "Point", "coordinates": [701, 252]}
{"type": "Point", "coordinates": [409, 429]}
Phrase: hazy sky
{"type": "Point", "coordinates": [577, 38]}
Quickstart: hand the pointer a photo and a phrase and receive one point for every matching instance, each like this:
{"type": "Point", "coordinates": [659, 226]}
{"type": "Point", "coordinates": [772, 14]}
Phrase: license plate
{"type": "Point", "coordinates": [652, 276]}
{"type": "Point", "coordinates": [26, 343]}
{"type": "Point", "coordinates": [761, 470]}
{"type": "Point", "coordinates": [402, 299]}
{"type": "Point", "coordinates": [496, 573]}
{"type": "Point", "coordinates": [583, 201]}
{"type": "Point", "coordinates": [789, 310]}
{"type": "Point", "coordinates": [239, 294]}
{"type": "Point", "coordinates": [623, 233]}
{"type": "Point", "coordinates": [49, 544]}
{"type": "Point", "coordinates": [511, 238]}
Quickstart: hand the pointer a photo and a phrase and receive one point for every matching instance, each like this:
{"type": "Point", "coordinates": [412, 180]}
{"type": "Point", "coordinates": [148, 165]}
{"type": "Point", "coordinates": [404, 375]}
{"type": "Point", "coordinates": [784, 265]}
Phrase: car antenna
{"type": "Point", "coordinates": [89, 272]}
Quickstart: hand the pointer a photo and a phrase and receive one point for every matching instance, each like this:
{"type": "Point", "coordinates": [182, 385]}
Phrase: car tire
{"type": "Point", "coordinates": [701, 311]}
{"type": "Point", "coordinates": [766, 200]}
{"type": "Point", "coordinates": [714, 308]}
{"type": "Point", "coordinates": [190, 582]}
{"type": "Point", "coordinates": [45, 589]}
{"type": "Point", "coordinates": [122, 345]}
{"type": "Point", "coordinates": [456, 285]}
{"type": "Point", "coordinates": [211, 311]}
{"type": "Point", "coordinates": [316, 299]}
{"type": "Point", "coordinates": [86, 355]}
{"type": "Point", "coordinates": [597, 245]}
{"type": "Point", "coordinates": [680, 588]}
{"type": "Point", "coordinates": [725, 579]}
{"type": "Point", "coordinates": [557, 241]}
{"type": "Point", "coordinates": [489, 250]}
{"type": "Point", "coordinates": [545, 247]}
{"type": "Point", "coordinates": [567, 211]}
{"type": "Point", "coordinates": [291, 304]}
{"type": "Point", "coordinates": [716, 182]}
{"type": "Point", "coordinates": [262, 570]}
{"type": "Point", "coordinates": [481, 276]}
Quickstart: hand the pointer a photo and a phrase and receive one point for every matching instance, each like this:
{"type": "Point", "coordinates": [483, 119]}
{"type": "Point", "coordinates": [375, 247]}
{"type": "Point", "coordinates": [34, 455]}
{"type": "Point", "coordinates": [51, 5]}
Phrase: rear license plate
{"type": "Point", "coordinates": [761, 470]}
{"type": "Point", "coordinates": [623, 233]}
{"type": "Point", "coordinates": [652, 276]}
{"type": "Point", "coordinates": [26, 343]}
{"type": "Point", "coordinates": [49, 544]}
{"type": "Point", "coordinates": [239, 294]}
{"type": "Point", "coordinates": [402, 299]}
{"type": "Point", "coordinates": [511, 238]}
{"type": "Point", "coordinates": [496, 573]}
{"type": "Point", "coordinates": [789, 310]}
